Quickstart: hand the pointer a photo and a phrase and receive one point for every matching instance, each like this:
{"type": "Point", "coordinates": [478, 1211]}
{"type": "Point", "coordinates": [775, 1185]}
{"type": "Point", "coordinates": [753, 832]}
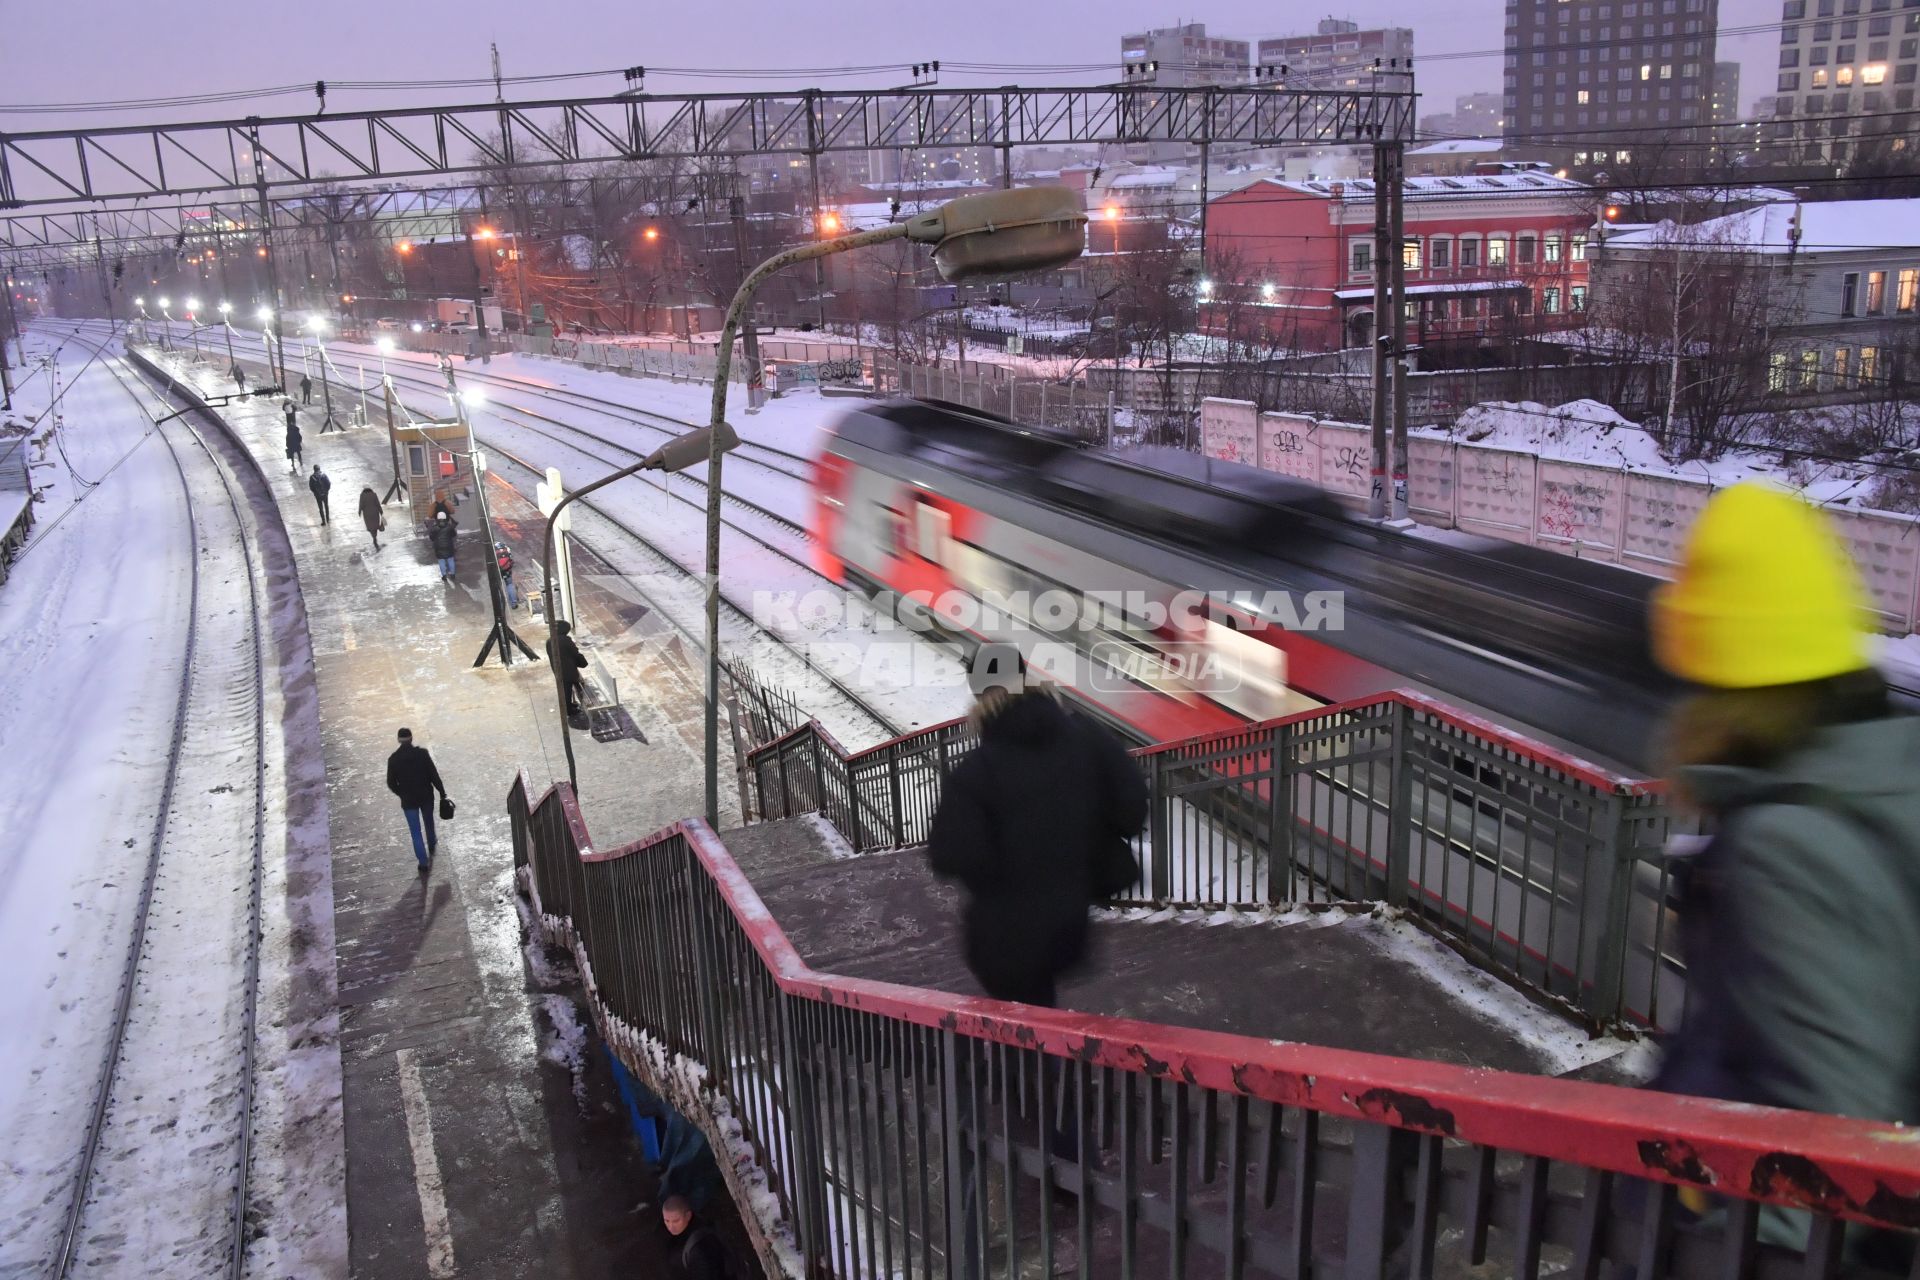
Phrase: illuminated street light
{"type": "Point", "coordinates": [193, 305]}
{"type": "Point", "coordinates": [1266, 290]}
{"type": "Point", "coordinates": [164, 304]}
{"type": "Point", "coordinates": [472, 397]}
{"type": "Point", "coordinates": [830, 222]}
{"type": "Point", "coordinates": [405, 246]}
{"type": "Point", "coordinates": [138, 302]}
{"type": "Point", "coordinates": [386, 345]}
{"type": "Point", "coordinates": [483, 233]}
{"type": "Point", "coordinates": [225, 307]}
{"type": "Point", "coordinates": [264, 314]}
{"type": "Point", "coordinates": [651, 233]}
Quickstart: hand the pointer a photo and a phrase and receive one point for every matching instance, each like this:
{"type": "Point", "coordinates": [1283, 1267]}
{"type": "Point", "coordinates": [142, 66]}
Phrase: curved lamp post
{"type": "Point", "coordinates": [988, 236]}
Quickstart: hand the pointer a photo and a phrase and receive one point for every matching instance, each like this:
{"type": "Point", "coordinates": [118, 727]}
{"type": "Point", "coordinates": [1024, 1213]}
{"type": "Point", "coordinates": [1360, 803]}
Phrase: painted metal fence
{"type": "Point", "coordinates": [1539, 866]}
{"type": "Point", "coordinates": [873, 1130]}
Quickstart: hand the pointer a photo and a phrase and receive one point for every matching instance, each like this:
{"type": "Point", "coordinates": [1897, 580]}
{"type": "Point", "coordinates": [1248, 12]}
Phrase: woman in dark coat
{"type": "Point", "coordinates": [293, 440]}
{"type": "Point", "coordinates": [371, 515]}
{"type": "Point", "coordinates": [1032, 824]}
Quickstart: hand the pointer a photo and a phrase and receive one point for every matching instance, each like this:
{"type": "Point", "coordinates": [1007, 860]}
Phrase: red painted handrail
{"type": "Point", "coordinates": [1853, 1168]}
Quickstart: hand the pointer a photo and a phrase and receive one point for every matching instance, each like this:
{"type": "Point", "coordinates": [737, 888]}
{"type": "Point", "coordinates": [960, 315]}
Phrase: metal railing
{"type": "Point", "coordinates": [1539, 866]}
{"type": "Point", "coordinates": [875, 1130]}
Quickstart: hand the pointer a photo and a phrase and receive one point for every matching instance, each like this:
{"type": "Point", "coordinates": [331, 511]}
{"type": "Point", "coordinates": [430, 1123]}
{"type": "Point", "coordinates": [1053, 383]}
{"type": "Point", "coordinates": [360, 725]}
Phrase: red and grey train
{"type": "Point", "coordinates": [925, 503]}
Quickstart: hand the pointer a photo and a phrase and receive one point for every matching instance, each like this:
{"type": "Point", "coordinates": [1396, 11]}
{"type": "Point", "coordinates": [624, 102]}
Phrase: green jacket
{"type": "Point", "coordinates": [1801, 929]}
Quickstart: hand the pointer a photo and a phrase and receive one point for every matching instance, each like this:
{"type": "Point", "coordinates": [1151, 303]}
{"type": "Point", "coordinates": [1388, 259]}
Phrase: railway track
{"type": "Point", "coordinates": [162, 1179]}
{"type": "Point", "coordinates": [682, 614]}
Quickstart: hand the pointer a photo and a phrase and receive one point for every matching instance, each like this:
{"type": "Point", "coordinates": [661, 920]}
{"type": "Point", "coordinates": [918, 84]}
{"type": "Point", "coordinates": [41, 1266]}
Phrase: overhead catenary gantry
{"type": "Point", "coordinates": [119, 172]}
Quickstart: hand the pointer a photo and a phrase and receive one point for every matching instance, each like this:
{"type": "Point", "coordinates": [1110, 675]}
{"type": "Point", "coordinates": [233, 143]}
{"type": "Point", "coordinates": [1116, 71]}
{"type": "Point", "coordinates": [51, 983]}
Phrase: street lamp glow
{"type": "Point", "coordinates": [163, 304]}
{"type": "Point", "coordinates": [418, 327]}
{"type": "Point", "coordinates": [193, 304]}
{"type": "Point", "coordinates": [830, 222]}
{"type": "Point", "coordinates": [138, 302]}
{"type": "Point", "coordinates": [317, 325]}
{"type": "Point", "coordinates": [264, 314]}
{"type": "Point", "coordinates": [385, 345]}
{"type": "Point", "coordinates": [1266, 290]}
{"type": "Point", "coordinates": [225, 307]}
{"type": "Point", "coordinates": [472, 397]}
{"type": "Point", "coordinates": [1206, 287]}
{"type": "Point", "coordinates": [484, 233]}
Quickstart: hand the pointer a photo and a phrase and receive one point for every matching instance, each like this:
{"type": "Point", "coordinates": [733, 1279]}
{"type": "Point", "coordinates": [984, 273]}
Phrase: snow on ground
{"type": "Point", "coordinates": [92, 625]}
{"type": "Point", "coordinates": [913, 683]}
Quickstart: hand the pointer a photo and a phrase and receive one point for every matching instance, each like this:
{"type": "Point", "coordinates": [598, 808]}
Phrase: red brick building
{"type": "Point", "coordinates": [1487, 256]}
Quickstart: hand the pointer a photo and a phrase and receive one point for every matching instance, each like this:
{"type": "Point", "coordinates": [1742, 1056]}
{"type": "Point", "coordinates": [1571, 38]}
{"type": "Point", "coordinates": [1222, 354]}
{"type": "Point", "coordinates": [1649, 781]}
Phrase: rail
{"type": "Point", "coordinates": [1537, 865]}
{"type": "Point", "coordinates": [879, 1130]}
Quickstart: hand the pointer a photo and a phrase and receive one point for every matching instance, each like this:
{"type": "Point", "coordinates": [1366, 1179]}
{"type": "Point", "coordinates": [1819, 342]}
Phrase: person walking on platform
{"type": "Point", "coordinates": [564, 654]}
{"type": "Point", "coordinates": [703, 1255]}
{"type": "Point", "coordinates": [293, 435]}
{"type": "Point", "coordinates": [321, 484]}
{"type": "Point", "coordinates": [306, 389]}
{"type": "Point", "coordinates": [1034, 824]}
{"type": "Point", "coordinates": [411, 776]}
{"type": "Point", "coordinates": [442, 532]}
{"type": "Point", "coordinates": [239, 378]}
{"type": "Point", "coordinates": [1796, 914]}
{"type": "Point", "coordinates": [504, 558]}
{"type": "Point", "coordinates": [371, 515]}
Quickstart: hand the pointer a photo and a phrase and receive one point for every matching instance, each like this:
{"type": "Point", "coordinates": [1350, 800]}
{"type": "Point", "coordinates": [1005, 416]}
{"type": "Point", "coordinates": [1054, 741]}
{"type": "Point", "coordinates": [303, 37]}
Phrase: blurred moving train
{"type": "Point", "coordinates": [925, 504]}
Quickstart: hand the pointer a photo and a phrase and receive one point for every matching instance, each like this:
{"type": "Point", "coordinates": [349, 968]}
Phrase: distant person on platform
{"type": "Point", "coordinates": [239, 378]}
{"type": "Point", "coordinates": [1799, 914]}
{"type": "Point", "coordinates": [306, 389]}
{"type": "Point", "coordinates": [442, 532]}
{"type": "Point", "coordinates": [565, 656]}
{"type": "Point", "coordinates": [703, 1255]}
{"type": "Point", "coordinates": [412, 777]}
{"type": "Point", "coordinates": [504, 558]}
{"type": "Point", "coordinates": [372, 516]}
{"type": "Point", "coordinates": [293, 440]}
{"type": "Point", "coordinates": [321, 484]}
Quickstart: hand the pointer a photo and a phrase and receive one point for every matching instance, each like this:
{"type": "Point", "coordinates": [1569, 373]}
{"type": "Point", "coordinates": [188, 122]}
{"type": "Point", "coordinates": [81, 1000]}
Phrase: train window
{"type": "Point", "coordinates": [935, 531]}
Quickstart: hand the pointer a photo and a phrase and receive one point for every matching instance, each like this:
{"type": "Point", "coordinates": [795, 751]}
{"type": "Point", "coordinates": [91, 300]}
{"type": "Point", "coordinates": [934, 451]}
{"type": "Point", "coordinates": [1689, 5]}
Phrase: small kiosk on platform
{"type": "Point", "coordinates": [437, 465]}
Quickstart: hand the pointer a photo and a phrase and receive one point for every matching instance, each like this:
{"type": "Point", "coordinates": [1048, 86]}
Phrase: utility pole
{"type": "Point", "coordinates": [749, 339]}
{"type": "Point", "coordinates": [1397, 509]}
{"type": "Point", "coordinates": [399, 486]}
{"type": "Point", "coordinates": [812, 104]}
{"type": "Point", "coordinates": [501, 633]}
{"type": "Point", "coordinates": [277, 322]}
{"type": "Point", "coordinates": [1383, 250]}
{"type": "Point", "coordinates": [11, 334]}
{"type": "Point", "coordinates": [514, 201]}
{"type": "Point", "coordinates": [479, 307]}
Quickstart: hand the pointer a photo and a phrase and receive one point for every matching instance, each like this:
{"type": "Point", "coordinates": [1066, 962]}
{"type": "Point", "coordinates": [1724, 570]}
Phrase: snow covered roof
{"type": "Point", "coordinates": [1826, 227]}
{"type": "Point", "coordinates": [1145, 178]}
{"type": "Point", "coordinates": [1415, 290]}
{"type": "Point", "coordinates": [1458, 147]}
{"type": "Point", "coordinates": [1359, 190]}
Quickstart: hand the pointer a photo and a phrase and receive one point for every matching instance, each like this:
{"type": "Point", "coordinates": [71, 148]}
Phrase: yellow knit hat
{"type": "Point", "coordinates": [1767, 595]}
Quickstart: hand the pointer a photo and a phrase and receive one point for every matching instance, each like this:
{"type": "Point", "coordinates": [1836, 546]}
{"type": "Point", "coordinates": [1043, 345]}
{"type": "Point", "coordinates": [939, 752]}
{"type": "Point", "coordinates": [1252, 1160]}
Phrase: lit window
{"type": "Point", "coordinates": [1578, 295]}
{"type": "Point", "coordinates": [1875, 74]}
{"type": "Point", "coordinates": [1777, 371]}
{"type": "Point", "coordinates": [1550, 249]}
{"type": "Point", "coordinates": [1843, 76]}
{"type": "Point", "coordinates": [1646, 71]}
{"type": "Point", "coordinates": [1876, 292]}
{"type": "Point", "coordinates": [1842, 368]}
{"type": "Point", "coordinates": [1820, 78]}
{"type": "Point", "coordinates": [1581, 99]}
{"type": "Point", "coordinates": [1869, 365]}
{"type": "Point", "coordinates": [1666, 71]}
{"type": "Point", "coordinates": [1496, 251]}
{"type": "Point", "coordinates": [1809, 370]}
{"type": "Point", "coordinates": [1550, 301]}
{"type": "Point", "coordinates": [1623, 157]}
{"type": "Point", "coordinates": [1578, 249]}
{"type": "Point", "coordinates": [1410, 255]}
{"type": "Point", "coordinates": [1907, 292]}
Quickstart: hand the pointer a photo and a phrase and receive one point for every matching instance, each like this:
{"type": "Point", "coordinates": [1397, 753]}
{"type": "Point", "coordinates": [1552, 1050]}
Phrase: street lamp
{"type": "Point", "coordinates": [166, 334]}
{"type": "Point", "coordinates": [987, 236]}
{"type": "Point", "coordinates": [226, 327]}
{"type": "Point", "coordinates": [319, 328]}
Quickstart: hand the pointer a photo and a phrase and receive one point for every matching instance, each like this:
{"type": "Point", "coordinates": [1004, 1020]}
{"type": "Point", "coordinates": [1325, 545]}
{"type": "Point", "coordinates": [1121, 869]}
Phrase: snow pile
{"type": "Point", "coordinates": [565, 1045]}
{"type": "Point", "coordinates": [1579, 431]}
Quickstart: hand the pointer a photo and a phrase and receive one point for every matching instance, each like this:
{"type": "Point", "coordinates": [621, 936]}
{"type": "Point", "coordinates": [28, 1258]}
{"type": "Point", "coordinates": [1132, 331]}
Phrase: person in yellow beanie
{"type": "Point", "coordinates": [1800, 915]}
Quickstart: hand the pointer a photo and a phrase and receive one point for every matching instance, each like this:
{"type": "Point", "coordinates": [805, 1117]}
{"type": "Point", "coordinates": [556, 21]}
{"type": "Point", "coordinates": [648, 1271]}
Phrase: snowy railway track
{"type": "Point", "coordinates": [161, 1186]}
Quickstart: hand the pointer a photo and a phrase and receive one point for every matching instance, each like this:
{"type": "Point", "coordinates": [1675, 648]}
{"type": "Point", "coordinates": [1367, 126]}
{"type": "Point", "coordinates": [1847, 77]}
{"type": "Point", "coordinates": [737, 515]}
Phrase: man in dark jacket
{"type": "Point", "coordinates": [565, 655]}
{"type": "Point", "coordinates": [1029, 824]}
{"type": "Point", "coordinates": [306, 389]}
{"type": "Point", "coordinates": [442, 532]}
{"type": "Point", "coordinates": [412, 776]}
{"type": "Point", "coordinates": [321, 485]}
{"type": "Point", "coordinates": [703, 1255]}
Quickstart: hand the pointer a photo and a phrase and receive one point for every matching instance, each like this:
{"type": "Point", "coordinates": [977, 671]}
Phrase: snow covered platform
{"type": "Point", "coordinates": [481, 1138]}
{"type": "Point", "coordinates": [1350, 981]}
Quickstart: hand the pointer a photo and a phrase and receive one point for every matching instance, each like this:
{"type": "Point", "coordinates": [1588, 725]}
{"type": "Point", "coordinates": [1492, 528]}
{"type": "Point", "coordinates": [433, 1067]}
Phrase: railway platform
{"type": "Point", "coordinates": [484, 1135]}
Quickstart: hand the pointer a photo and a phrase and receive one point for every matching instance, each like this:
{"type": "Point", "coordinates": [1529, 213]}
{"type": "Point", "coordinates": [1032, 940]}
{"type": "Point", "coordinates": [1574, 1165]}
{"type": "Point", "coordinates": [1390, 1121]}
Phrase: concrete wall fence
{"type": "Point", "coordinates": [1635, 518]}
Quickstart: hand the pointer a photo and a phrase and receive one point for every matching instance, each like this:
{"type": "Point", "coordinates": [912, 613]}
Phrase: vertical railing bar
{"type": "Point", "coordinates": [868, 1100]}
{"type": "Point", "coordinates": [1010, 1161]}
{"type": "Point", "coordinates": [1209, 1141]}
{"type": "Point", "coordinates": [1589, 1229]}
{"type": "Point", "coordinates": [1270, 1152]}
{"type": "Point", "coordinates": [1426, 1207]}
{"type": "Point", "coordinates": [1823, 1248]}
{"type": "Point", "coordinates": [1530, 1219]}
{"type": "Point", "coordinates": [1083, 1211]}
{"type": "Point", "coordinates": [1656, 1228]}
{"type": "Point", "coordinates": [1479, 1203]}
{"type": "Point", "coordinates": [1177, 1168]}
{"type": "Point", "coordinates": [1737, 1239]}
{"type": "Point", "coordinates": [1237, 1189]}
{"type": "Point", "coordinates": [1130, 1170]}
